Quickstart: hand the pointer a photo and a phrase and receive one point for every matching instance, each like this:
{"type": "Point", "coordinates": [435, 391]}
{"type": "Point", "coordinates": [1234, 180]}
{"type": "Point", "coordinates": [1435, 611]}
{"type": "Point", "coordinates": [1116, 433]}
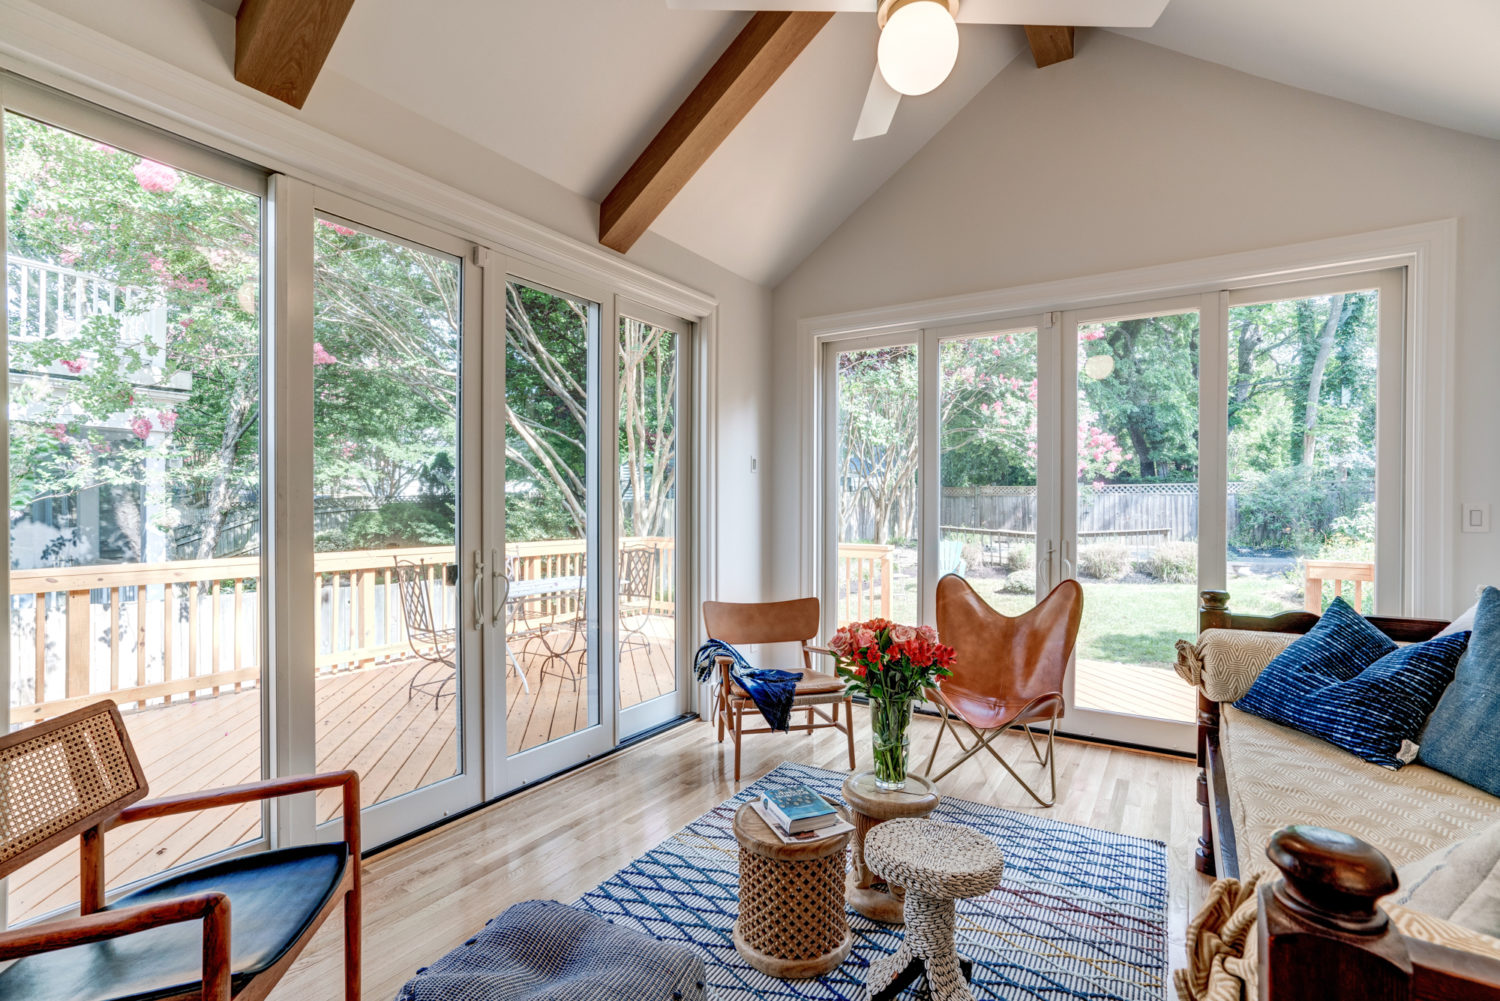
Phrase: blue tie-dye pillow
{"type": "Point", "coordinates": [1347, 682]}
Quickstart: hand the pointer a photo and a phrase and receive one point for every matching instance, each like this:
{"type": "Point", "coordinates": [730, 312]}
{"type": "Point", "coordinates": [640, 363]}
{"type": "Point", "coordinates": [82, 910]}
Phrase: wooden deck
{"type": "Point", "coordinates": [365, 721]}
{"type": "Point", "coordinates": [1136, 689]}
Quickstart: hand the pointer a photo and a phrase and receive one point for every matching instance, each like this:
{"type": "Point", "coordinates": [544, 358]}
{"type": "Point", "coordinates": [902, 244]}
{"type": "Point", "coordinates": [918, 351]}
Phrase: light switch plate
{"type": "Point", "coordinates": [1476, 518]}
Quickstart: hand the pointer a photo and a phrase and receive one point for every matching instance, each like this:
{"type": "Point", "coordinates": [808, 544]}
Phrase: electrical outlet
{"type": "Point", "coordinates": [1476, 518]}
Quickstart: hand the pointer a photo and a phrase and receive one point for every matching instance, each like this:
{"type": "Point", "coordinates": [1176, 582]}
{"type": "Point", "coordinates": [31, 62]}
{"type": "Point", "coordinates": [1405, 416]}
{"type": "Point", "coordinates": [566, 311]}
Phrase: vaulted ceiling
{"type": "Point", "coordinates": [575, 89]}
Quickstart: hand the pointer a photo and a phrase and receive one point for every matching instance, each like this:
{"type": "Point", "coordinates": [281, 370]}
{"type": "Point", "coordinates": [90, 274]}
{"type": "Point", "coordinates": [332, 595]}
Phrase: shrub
{"type": "Point", "coordinates": [1104, 561]}
{"type": "Point", "coordinates": [1292, 510]}
{"type": "Point", "coordinates": [1018, 556]}
{"type": "Point", "coordinates": [1172, 563]}
{"type": "Point", "coordinates": [1019, 583]}
{"type": "Point", "coordinates": [973, 554]}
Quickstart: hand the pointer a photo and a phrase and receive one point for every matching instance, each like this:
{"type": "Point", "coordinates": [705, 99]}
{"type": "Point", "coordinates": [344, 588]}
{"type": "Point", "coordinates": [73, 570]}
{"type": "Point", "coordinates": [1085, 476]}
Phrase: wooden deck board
{"type": "Point", "coordinates": [364, 720]}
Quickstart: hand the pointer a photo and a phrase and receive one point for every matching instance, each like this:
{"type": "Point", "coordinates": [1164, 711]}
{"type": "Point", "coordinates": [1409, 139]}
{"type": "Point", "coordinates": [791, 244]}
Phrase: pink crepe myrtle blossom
{"type": "Point", "coordinates": [141, 426]}
{"type": "Point", "coordinates": [58, 431]}
{"type": "Point", "coordinates": [166, 420]}
{"type": "Point", "coordinates": [104, 148]}
{"type": "Point", "coordinates": [74, 365]}
{"type": "Point", "coordinates": [348, 449]}
{"type": "Point", "coordinates": [321, 355]}
{"type": "Point", "coordinates": [155, 177]}
{"type": "Point", "coordinates": [340, 230]}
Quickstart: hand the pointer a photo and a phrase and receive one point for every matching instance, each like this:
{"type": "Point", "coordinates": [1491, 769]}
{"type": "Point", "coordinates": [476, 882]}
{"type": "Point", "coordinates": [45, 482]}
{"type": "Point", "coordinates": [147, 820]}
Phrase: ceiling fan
{"type": "Point", "coordinates": [919, 38]}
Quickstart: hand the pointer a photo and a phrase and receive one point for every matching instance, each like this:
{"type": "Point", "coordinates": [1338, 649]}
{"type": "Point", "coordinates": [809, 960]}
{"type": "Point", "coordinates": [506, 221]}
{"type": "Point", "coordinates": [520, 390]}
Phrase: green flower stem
{"type": "Point", "coordinates": [889, 720]}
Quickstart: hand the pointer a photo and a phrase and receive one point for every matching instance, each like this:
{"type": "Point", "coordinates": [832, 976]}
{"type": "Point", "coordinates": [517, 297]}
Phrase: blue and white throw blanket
{"type": "Point", "coordinates": [770, 690]}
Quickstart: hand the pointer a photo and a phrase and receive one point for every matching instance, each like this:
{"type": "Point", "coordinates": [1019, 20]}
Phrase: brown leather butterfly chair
{"type": "Point", "coordinates": [794, 621]}
{"type": "Point", "coordinates": [1007, 671]}
{"type": "Point", "coordinates": [227, 929]}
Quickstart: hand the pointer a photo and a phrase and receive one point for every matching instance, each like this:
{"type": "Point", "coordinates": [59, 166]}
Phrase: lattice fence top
{"type": "Point", "coordinates": [53, 777]}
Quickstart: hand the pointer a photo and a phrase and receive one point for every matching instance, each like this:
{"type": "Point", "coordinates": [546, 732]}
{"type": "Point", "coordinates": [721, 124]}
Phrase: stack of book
{"type": "Point", "coordinates": [796, 813]}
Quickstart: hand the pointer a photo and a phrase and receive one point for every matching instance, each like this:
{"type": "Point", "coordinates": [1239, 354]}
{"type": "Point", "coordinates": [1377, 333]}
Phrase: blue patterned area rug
{"type": "Point", "coordinates": [1081, 913]}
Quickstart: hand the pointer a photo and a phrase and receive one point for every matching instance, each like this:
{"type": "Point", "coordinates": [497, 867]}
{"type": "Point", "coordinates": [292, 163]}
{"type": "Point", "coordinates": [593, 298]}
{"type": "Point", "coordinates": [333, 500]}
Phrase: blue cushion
{"type": "Point", "coordinates": [1462, 737]}
{"type": "Point", "coordinates": [1348, 683]}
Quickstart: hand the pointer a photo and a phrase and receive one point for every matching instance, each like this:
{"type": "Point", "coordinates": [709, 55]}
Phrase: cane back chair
{"type": "Point", "coordinates": [78, 776]}
{"type": "Point", "coordinates": [795, 621]}
{"type": "Point", "coordinates": [1008, 671]}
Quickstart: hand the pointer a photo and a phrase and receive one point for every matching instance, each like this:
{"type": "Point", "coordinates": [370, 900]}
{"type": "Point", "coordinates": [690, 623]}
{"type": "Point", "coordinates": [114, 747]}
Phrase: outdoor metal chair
{"type": "Point", "coordinates": [435, 644]}
{"type": "Point", "coordinates": [227, 929]}
{"type": "Point", "coordinates": [556, 622]}
{"type": "Point", "coordinates": [638, 570]}
{"type": "Point", "coordinates": [1008, 671]}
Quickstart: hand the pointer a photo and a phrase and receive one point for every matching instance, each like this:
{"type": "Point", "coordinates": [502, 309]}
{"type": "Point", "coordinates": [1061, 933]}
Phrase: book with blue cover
{"type": "Point", "coordinates": [797, 808]}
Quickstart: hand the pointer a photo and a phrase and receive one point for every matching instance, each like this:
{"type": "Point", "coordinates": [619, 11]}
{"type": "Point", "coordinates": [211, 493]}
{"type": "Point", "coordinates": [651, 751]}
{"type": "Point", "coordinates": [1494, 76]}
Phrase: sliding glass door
{"type": "Point", "coordinates": [395, 501]}
{"type": "Point", "coordinates": [1248, 439]}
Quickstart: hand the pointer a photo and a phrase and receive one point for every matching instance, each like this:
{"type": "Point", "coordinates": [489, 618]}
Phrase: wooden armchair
{"type": "Point", "coordinates": [795, 621]}
{"type": "Point", "coordinates": [78, 776]}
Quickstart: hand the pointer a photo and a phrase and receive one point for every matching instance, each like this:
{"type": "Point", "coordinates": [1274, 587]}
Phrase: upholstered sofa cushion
{"type": "Point", "coordinates": [1224, 663]}
{"type": "Point", "coordinates": [1463, 734]}
{"type": "Point", "coordinates": [1460, 883]}
{"type": "Point", "coordinates": [1278, 776]}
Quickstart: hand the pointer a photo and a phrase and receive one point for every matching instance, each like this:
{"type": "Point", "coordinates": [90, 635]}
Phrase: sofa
{"type": "Point", "coordinates": [1257, 777]}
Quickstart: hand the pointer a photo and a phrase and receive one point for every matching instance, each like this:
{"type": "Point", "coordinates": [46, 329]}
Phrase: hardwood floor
{"type": "Point", "coordinates": [559, 839]}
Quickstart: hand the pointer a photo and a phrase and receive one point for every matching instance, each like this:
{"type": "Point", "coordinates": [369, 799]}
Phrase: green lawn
{"type": "Point", "coordinates": [1129, 623]}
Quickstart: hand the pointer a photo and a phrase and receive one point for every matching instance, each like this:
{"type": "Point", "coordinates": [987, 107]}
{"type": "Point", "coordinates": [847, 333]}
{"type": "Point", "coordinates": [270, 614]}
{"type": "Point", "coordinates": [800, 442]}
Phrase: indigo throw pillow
{"type": "Point", "coordinates": [1463, 735]}
{"type": "Point", "coordinates": [1348, 683]}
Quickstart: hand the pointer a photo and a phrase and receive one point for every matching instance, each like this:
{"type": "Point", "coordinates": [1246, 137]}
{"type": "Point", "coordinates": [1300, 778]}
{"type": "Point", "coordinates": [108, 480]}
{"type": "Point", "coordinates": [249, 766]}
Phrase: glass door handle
{"type": "Point", "coordinates": [478, 589]}
{"type": "Point", "coordinates": [1049, 564]}
{"type": "Point", "coordinates": [500, 581]}
{"type": "Point", "coordinates": [1067, 564]}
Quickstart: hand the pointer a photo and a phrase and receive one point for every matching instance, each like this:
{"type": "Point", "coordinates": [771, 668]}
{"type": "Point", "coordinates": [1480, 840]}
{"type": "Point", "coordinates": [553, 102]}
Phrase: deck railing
{"type": "Point", "coordinates": [864, 581]}
{"type": "Point", "coordinates": [145, 634]}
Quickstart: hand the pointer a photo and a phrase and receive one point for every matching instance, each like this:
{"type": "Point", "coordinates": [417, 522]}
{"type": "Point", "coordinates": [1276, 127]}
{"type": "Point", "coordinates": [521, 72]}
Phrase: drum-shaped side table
{"type": "Point", "coordinates": [791, 922]}
{"type": "Point", "coordinates": [866, 892]}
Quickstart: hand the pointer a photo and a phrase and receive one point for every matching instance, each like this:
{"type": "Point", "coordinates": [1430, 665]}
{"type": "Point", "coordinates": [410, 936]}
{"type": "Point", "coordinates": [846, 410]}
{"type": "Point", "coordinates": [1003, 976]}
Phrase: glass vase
{"type": "Point", "coordinates": [889, 721]}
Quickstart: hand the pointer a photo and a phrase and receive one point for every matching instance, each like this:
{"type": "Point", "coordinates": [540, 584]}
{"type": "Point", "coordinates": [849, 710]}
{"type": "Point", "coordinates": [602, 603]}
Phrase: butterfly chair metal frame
{"type": "Point", "coordinates": [77, 776]}
{"type": "Point", "coordinates": [795, 621]}
{"type": "Point", "coordinates": [433, 644]}
{"type": "Point", "coordinates": [638, 570]}
{"type": "Point", "coordinates": [1008, 673]}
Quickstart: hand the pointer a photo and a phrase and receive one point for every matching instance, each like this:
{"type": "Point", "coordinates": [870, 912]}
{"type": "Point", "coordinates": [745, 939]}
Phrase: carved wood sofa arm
{"type": "Point", "coordinates": [1322, 933]}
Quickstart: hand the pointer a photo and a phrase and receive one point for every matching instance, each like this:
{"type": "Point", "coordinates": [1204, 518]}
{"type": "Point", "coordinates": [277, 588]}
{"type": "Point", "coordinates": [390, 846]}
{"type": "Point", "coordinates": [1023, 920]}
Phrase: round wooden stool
{"type": "Point", "coordinates": [791, 923]}
{"type": "Point", "coordinates": [866, 892]}
{"type": "Point", "coordinates": [937, 863]}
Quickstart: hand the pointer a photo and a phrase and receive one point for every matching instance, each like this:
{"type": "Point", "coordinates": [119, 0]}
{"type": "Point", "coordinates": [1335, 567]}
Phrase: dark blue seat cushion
{"type": "Point", "coordinates": [1462, 738]}
{"type": "Point", "coordinates": [1348, 683]}
{"type": "Point", "coordinates": [273, 898]}
{"type": "Point", "coordinates": [541, 950]}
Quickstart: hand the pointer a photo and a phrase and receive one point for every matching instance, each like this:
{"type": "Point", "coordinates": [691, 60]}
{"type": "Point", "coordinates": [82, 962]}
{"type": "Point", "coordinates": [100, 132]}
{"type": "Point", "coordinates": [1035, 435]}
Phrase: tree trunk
{"type": "Point", "coordinates": [1315, 380]}
{"type": "Point", "coordinates": [239, 415]}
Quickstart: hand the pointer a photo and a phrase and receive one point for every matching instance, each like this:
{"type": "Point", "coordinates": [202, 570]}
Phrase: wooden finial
{"type": "Point", "coordinates": [1331, 878]}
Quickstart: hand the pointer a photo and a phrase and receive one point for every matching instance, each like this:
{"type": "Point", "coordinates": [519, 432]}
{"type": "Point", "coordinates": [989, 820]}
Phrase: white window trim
{"type": "Point", "coordinates": [1427, 250]}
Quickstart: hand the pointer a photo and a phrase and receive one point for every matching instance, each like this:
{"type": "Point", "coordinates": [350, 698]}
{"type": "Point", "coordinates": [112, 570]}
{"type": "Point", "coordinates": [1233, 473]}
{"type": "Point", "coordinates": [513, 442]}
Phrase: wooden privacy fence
{"type": "Point", "coordinates": [138, 633]}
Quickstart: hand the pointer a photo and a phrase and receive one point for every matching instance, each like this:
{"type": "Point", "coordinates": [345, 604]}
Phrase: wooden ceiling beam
{"type": "Point", "coordinates": [1050, 43]}
{"type": "Point", "coordinates": [769, 43]}
{"type": "Point", "coordinates": [280, 45]}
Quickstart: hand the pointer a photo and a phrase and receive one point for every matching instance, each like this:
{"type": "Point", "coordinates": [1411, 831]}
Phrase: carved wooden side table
{"type": "Point", "coordinates": [791, 921]}
{"type": "Point", "coordinates": [867, 893]}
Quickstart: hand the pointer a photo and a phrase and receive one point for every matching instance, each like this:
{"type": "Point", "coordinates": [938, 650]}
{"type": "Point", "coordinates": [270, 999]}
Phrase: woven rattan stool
{"type": "Point", "coordinates": [866, 892]}
{"type": "Point", "coordinates": [791, 922]}
{"type": "Point", "coordinates": [938, 863]}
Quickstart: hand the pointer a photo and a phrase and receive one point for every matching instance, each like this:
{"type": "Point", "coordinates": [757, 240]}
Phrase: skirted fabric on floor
{"type": "Point", "coordinates": [541, 950]}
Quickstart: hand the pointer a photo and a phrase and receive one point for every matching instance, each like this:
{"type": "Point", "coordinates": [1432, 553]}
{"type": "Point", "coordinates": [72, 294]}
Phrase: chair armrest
{"type": "Point", "coordinates": [211, 908]}
{"type": "Point", "coordinates": [810, 648]}
{"type": "Point", "coordinates": [251, 792]}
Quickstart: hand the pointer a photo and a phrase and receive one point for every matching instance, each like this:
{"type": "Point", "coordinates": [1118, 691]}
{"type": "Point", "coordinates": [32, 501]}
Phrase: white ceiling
{"type": "Point", "coordinates": [574, 90]}
{"type": "Point", "coordinates": [1432, 60]}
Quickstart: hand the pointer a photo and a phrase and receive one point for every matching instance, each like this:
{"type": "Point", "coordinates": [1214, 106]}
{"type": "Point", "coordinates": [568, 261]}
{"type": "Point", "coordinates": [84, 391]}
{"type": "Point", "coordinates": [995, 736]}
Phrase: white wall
{"type": "Point", "coordinates": [1132, 155]}
{"type": "Point", "coordinates": [197, 37]}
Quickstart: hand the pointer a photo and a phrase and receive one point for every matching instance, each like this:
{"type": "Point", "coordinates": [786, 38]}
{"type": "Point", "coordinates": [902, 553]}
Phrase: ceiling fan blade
{"type": "Point", "coordinates": [850, 6]}
{"type": "Point", "coordinates": [879, 110]}
{"type": "Point", "coordinates": [1078, 13]}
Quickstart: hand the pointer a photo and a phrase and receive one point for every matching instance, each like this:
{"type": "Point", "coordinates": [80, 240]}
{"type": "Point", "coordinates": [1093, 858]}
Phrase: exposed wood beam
{"type": "Point", "coordinates": [769, 43]}
{"type": "Point", "coordinates": [1049, 43]}
{"type": "Point", "coordinates": [280, 45]}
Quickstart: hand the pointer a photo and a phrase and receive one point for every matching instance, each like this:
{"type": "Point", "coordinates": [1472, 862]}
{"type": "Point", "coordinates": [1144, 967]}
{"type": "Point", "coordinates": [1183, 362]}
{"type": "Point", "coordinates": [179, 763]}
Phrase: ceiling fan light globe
{"type": "Point", "coordinates": [918, 47]}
